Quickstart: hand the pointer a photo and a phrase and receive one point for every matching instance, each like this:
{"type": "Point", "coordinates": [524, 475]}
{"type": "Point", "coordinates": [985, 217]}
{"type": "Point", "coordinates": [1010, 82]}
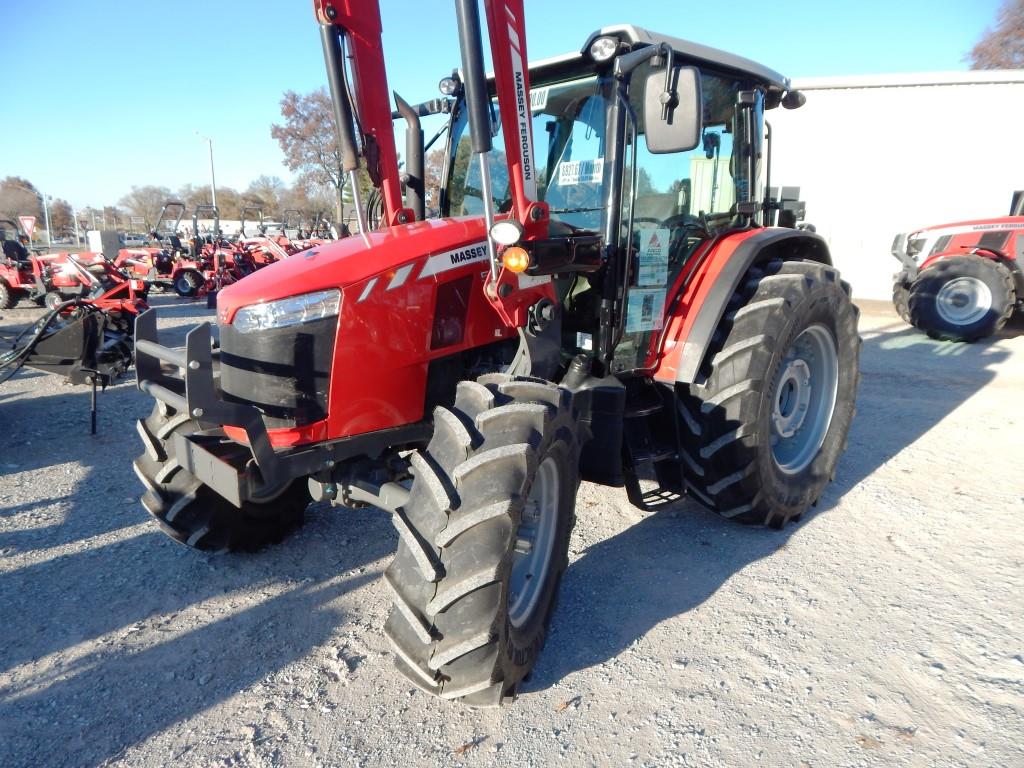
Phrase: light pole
{"type": "Point", "coordinates": [46, 215]}
{"type": "Point", "coordinates": [213, 180]}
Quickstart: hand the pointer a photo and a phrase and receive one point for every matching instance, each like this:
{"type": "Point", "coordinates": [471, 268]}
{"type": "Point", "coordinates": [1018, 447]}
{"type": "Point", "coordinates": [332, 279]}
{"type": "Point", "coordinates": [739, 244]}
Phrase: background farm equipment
{"type": "Point", "coordinates": [214, 262]}
{"type": "Point", "coordinates": [155, 263]}
{"type": "Point", "coordinates": [962, 281]}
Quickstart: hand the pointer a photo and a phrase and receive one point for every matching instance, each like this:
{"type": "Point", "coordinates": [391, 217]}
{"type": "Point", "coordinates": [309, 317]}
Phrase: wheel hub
{"type": "Point", "coordinates": [803, 398]}
{"type": "Point", "coordinates": [792, 398]}
{"type": "Point", "coordinates": [534, 544]}
{"type": "Point", "coordinates": [963, 301]}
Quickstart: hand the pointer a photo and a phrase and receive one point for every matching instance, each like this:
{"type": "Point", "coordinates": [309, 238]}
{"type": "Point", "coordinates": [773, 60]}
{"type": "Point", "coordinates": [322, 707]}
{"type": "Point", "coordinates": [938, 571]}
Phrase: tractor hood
{"type": "Point", "coordinates": [408, 252]}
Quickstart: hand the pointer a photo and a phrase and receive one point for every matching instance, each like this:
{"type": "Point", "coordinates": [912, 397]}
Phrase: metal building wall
{"type": "Point", "coordinates": [877, 155]}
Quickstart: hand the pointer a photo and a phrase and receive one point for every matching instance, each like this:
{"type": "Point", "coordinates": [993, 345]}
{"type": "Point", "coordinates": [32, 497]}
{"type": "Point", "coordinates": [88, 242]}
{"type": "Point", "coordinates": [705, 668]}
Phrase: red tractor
{"type": "Point", "coordinates": [962, 281]}
{"type": "Point", "coordinates": [156, 264]}
{"type": "Point", "coordinates": [590, 305]}
{"type": "Point", "coordinates": [16, 279]}
{"type": "Point", "coordinates": [214, 262]}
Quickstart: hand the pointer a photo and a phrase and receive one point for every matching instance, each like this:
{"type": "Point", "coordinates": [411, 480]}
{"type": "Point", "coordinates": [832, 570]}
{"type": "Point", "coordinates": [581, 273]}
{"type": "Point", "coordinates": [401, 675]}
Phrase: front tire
{"type": "Point", "coordinates": [901, 300]}
{"type": "Point", "coordinates": [193, 513]}
{"type": "Point", "coordinates": [962, 298]}
{"type": "Point", "coordinates": [484, 539]}
{"type": "Point", "coordinates": [52, 300]}
{"type": "Point", "coordinates": [764, 427]}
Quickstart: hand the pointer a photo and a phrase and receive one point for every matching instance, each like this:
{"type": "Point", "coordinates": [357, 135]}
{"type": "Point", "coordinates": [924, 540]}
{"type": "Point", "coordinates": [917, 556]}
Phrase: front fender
{"type": "Point", "coordinates": [699, 309]}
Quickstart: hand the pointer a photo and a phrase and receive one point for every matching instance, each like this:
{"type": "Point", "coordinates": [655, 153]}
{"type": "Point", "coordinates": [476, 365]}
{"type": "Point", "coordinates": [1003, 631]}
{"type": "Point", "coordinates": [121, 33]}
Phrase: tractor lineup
{"type": "Point", "coordinates": [604, 296]}
{"type": "Point", "coordinates": [92, 300]}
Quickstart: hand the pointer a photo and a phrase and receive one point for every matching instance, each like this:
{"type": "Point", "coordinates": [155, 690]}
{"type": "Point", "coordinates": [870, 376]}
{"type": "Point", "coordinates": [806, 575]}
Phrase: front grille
{"type": "Point", "coordinates": [285, 372]}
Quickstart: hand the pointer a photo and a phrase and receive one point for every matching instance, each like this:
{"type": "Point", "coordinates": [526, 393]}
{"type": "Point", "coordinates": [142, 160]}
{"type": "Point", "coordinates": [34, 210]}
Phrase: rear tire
{"type": "Point", "coordinates": [962, 298]}
{"type": "Point", "coordinates": [763, 429]}
{"type": "Point", "coordinates": [193, 513]}
{"type": "Point", "coordinates": [187, 283]}
{"type": "Point", "coordinates": [484, 539]}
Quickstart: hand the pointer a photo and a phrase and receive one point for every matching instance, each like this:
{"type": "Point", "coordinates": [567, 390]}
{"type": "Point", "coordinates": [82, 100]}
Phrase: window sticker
{"type": "Point", "coordinates": [644, 309]}
{"type": "Point", "coordinates": [653, 257]}
{"type": "Point", "coordinates": [580, 172]}
{"type": "Point", "coordinates": [538, 99]}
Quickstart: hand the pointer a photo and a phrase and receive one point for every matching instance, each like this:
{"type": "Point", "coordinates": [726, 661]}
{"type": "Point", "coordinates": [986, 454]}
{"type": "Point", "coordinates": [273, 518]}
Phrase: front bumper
{"type": "Point", "coordinates": [900, 251]}
{"type": "Point", "coordinates": [188, 382]}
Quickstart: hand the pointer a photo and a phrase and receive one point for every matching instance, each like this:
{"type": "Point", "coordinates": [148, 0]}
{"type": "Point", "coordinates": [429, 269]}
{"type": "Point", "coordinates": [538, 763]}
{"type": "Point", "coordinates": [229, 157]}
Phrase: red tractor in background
{"type": "Point", "coordinates": [214, 262]}
{"type": "Point", "coordinates": [590, 305]}
{"type": "Point", "coordinates": [16, 279]}
{"type": "Point", "coordinates": [155, 264]}
{"type": "Point", "coordinates": [970, 277]}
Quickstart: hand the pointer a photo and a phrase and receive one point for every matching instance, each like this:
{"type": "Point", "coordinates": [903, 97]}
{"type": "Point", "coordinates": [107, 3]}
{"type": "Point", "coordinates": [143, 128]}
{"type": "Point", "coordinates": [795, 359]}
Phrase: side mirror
{"type": "Point", "coordinates": [673, 115]}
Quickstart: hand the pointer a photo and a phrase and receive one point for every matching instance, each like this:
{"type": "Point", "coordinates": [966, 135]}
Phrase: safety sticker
{"type": "Point", "coordinates": [653, 257]}
{"type": "Point", "coordinates": [644, 309]}
{"type": "Point", "coordinates": [580, 172]}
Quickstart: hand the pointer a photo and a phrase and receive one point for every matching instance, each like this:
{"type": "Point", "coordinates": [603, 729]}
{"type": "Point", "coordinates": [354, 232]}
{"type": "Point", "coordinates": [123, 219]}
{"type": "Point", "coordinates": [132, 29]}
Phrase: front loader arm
{"type": "Point", "coordinates": [359, 22]}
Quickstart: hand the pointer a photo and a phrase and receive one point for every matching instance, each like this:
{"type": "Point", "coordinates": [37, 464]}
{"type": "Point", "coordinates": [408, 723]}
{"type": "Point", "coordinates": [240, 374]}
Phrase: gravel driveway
{"type": "Point", "coordinates": [884, 629]}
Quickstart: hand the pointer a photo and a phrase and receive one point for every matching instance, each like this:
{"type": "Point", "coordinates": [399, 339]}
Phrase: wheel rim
{"type": "Point", "coordinates": [534, 544]}
{"type": "Point", "coordinates": [963, 301]}
{"type": "Point", "coordinates": [804, 398]}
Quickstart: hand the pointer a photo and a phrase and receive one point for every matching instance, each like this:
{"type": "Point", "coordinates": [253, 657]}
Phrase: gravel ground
{"type": "Point", "coordinates": [885, 629]}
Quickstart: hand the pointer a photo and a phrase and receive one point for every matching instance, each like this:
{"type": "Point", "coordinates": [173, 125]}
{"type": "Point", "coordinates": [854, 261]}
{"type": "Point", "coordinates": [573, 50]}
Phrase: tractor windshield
{"type": "Point", "coordinates": [569, 142]}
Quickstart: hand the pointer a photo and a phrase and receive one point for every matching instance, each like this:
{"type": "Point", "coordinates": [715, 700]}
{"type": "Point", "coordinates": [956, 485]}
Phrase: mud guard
{"type": "Point", "coordinates": [786, 244]}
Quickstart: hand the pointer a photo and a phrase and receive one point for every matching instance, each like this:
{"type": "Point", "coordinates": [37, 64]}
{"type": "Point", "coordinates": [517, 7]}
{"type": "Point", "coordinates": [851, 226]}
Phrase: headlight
{"type": "Point", "coordinates": [291, 311]}
{"type": "Point", "coordinates": [604, 48]}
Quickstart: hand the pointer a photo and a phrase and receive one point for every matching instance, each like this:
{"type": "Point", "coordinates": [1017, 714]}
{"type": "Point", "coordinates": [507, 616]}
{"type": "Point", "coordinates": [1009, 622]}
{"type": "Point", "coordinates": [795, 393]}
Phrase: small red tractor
{"type": "Point", "coordinates": [962, 281]}
{"type": "Point", "coordinates": [16, 279]}
{"type": "Point", "coordinates": [593, 303]}
{"type": "Point", "coordinates": [155, 264]}
{"type": "Point", "coordinates": [214, 262]}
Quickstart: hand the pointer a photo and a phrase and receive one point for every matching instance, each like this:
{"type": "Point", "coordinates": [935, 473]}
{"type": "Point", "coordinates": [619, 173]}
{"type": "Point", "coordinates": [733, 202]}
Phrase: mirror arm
{"type": "Point", "coordinates": [628, 62]}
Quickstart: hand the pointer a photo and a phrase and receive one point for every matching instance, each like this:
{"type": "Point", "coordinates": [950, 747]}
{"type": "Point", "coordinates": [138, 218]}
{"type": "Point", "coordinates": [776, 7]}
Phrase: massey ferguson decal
{"type": "Point", "coordinates": [522, 111]}
{"type": "Point", "coordinates": [442, 262]}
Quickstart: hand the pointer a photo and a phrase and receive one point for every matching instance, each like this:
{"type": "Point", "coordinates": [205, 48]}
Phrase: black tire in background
{"type": "Point", "coordinates": [770, 356]}
{"type": "Point", "coordinates": [194, 514]}
{"type": "Point", "coordinates": [900, 300]}
{"type": "Point", "coordinates": [52, 300]}
{"type": "Point", "coordinates": [484, 539]}
{"type": "Point", "coordinates": [187, 283]}
{"type": "Point", "coordinates": [962, 298]}
{"type": "Point", "coordinates": [8, 298]}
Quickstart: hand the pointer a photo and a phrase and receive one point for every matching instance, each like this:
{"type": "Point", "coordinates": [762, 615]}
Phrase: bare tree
{"type": "Point", "coordinates": [61, 217]}
{"type": "Point", "coordinates": [265, 192]}
{"type": "Point", "coordinates": [146, 202]}
{"type": "Point", "coordinates": [19, 197]}
{"type": "Point", "coordinates": [1002, 46]}
{"type": "Point", "coordinates": [307, 140]}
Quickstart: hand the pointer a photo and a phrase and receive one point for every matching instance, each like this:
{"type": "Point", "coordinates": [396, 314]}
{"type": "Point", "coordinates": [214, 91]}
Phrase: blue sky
{"type": "Point", "coordinates": [106, 94]}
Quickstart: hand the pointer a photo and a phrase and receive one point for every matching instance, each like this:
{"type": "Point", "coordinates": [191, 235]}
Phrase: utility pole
{"type": "Point", "coordinates": [213, 180]}
{"type": "Point", "coordinates": [46, 216]}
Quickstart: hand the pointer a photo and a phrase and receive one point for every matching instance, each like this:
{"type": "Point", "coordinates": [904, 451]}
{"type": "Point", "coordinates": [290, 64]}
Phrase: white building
{"type": "Point", "coordinates": [878, 155]}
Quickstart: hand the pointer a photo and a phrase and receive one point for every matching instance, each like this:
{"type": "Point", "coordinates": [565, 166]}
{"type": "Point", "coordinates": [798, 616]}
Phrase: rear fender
{"type": "Point", "coordinates": [698, 310]}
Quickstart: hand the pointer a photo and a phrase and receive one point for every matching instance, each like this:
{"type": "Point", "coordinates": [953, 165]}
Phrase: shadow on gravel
{"type": "Point", "coordinates": [670, 562]}
{"type": "Point", "coordinates": [154, 662]}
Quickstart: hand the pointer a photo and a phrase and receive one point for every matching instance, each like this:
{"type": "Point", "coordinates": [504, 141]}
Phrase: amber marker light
{"type": "Point", "coordinates": [515, 259]}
